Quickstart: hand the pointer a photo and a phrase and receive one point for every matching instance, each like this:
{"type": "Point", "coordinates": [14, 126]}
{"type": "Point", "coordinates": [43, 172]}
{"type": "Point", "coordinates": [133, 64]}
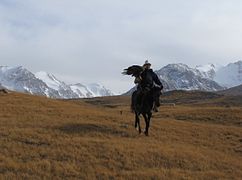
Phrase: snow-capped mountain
{"type": "Point", "coordinates": [181, 76]}
{"type": "Point", "coordinates": [81, 90]}
{"type": "Point", "coordinates": [230, 75]}
{"type": "Point", "coordinates": [98, 89]}
{"type": "Point", "coordinates": [22, 80]}
{"type": "Point", "coordinates": [42, 83]}
{"type": "Point", "coordinates": [210, 77]}
{"type": "Point", "coordinates": [64, 90]}
{"type": "Point", "coordinates": [227, 76]}
{"type": "Point", "coordinates": [74, 90]}
{"type": "Point", "coordinates": [208, 70]}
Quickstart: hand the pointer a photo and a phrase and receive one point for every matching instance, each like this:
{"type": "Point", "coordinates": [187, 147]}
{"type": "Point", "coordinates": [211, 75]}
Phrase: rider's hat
{"type": "Point", "coordinates": [147, 63]}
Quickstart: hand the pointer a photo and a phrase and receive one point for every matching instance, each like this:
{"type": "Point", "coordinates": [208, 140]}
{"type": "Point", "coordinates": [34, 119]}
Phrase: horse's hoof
{"type": "Point", "coordinates": [146, 133]}
{"type": "Point", "coordinates": [137, 129]}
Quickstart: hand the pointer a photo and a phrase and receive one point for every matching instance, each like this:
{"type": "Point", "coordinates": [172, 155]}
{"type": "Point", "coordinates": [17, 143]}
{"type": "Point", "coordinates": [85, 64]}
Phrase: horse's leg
{"type": "Point", "coordinates": [146, 123]}
{"type": "Point", "coordinates": [147, 118]}
{"type": "Point", "coordinates": [137, 122]}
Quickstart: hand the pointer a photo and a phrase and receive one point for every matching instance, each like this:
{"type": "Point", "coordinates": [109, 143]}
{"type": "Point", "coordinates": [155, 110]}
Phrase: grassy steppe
{"type": "Point", "coordinates": [43, 138]}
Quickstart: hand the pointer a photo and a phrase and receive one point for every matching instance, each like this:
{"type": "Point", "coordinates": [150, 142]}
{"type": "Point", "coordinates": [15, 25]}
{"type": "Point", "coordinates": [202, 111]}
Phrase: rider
{"type": "Point", "coordinates": [149, 81]}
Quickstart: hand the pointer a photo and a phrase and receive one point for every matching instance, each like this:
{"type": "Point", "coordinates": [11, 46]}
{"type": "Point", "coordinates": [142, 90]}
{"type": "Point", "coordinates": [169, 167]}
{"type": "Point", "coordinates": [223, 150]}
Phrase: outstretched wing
{"type": "Point", "coordinates": [134, 70]}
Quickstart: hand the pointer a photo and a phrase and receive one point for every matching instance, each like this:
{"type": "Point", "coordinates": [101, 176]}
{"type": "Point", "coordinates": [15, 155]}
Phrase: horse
{"type": "Point", "coordinates": [142, 103]}
{"type": "Point", "coordinates": [142, 100]}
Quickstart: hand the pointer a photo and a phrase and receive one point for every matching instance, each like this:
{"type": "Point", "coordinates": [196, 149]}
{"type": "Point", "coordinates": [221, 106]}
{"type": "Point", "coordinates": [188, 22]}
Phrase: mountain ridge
{"type": "Point", "coordinates": [209, 77]}
{"type": "Point", "coordinates": [181, 76]}
{"type": "Point", "coordinates": [42, 83]}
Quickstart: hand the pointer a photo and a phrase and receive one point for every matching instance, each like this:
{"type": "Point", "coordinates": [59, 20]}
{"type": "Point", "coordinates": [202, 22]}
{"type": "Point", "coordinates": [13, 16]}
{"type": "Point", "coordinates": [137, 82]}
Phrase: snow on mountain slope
{"type": "Point", "coordinates": [230, 75]}
{"type": "Point", "coordinates": [98, 90]}
{"type": "Point", "coordinates": [46, 84]}
{"type": "Point", "coordinates": [207, 71]}
{"type": "Point", "coordinates": [74, 90]}
{"type": "Point", "coordinates": [227, 76]}
{"type": "Point", "coordinates": [181, 76]}
{"type": "Point", "coordinates": [64, 90]}
{"type": "Point", "coordinates": [81, 90]}
{"type": "Point", "coordinates": [49, 79]}
{"type": "Point", "coordinates": [22, 80]}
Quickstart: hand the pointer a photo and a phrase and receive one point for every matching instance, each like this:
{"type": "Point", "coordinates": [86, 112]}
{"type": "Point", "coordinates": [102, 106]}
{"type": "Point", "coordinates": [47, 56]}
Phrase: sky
{"type": "Point", "coordinates": [91, 41]}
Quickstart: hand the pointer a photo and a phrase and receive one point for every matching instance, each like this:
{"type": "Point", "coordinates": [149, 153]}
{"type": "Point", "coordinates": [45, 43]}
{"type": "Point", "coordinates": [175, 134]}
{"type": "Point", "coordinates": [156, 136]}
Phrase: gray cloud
{"type": "Point", "coordinates": [94, 40]}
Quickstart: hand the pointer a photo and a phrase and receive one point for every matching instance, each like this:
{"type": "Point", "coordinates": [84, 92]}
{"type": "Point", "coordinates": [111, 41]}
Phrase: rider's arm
{"type": "Point", "coordinates": [156, 79]}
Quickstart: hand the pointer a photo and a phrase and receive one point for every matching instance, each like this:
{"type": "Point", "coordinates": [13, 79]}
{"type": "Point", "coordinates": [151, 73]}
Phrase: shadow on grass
{"type": "Point", "coordinates": [91, 129]}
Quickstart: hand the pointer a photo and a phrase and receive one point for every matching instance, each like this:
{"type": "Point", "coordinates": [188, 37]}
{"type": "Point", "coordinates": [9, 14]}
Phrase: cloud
{"type": "Point", "coordinates": [94, 40]}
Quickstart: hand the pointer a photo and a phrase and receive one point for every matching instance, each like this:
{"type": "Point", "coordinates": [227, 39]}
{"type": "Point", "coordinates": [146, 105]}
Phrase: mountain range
{"type": "Point", "coordinates": [22, 80]}
{"type": "Point", "coordinates": [210, 77]}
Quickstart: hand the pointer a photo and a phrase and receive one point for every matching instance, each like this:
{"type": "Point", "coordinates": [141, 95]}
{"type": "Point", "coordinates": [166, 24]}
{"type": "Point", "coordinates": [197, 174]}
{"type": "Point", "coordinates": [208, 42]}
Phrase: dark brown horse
{"type": "Point", "coordinates": [142, 104]}
{"type": "Point", "coordinates": [143, 98]}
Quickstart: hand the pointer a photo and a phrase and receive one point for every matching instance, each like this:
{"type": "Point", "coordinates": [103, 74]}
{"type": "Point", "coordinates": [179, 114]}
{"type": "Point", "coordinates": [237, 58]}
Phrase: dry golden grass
{"type": "Point", "coordinates": [42, 138]}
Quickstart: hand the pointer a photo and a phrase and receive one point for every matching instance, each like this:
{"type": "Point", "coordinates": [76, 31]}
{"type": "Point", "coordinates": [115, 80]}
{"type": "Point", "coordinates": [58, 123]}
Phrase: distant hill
{"type": "Point", "coordinates": [187, 97]}
{"type": "Point", "coordinates": [234, 91]}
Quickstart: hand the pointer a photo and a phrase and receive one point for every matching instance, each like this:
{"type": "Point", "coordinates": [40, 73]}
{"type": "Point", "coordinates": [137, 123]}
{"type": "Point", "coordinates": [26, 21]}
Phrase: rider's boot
{"type": "Point", "coordinates": [155, 109]}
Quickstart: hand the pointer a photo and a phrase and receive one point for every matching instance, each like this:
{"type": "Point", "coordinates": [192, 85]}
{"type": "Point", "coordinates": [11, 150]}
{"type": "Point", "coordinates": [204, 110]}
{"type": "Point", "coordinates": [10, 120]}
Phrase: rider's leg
{"type": "Point", "coordinates": [156, 100]}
